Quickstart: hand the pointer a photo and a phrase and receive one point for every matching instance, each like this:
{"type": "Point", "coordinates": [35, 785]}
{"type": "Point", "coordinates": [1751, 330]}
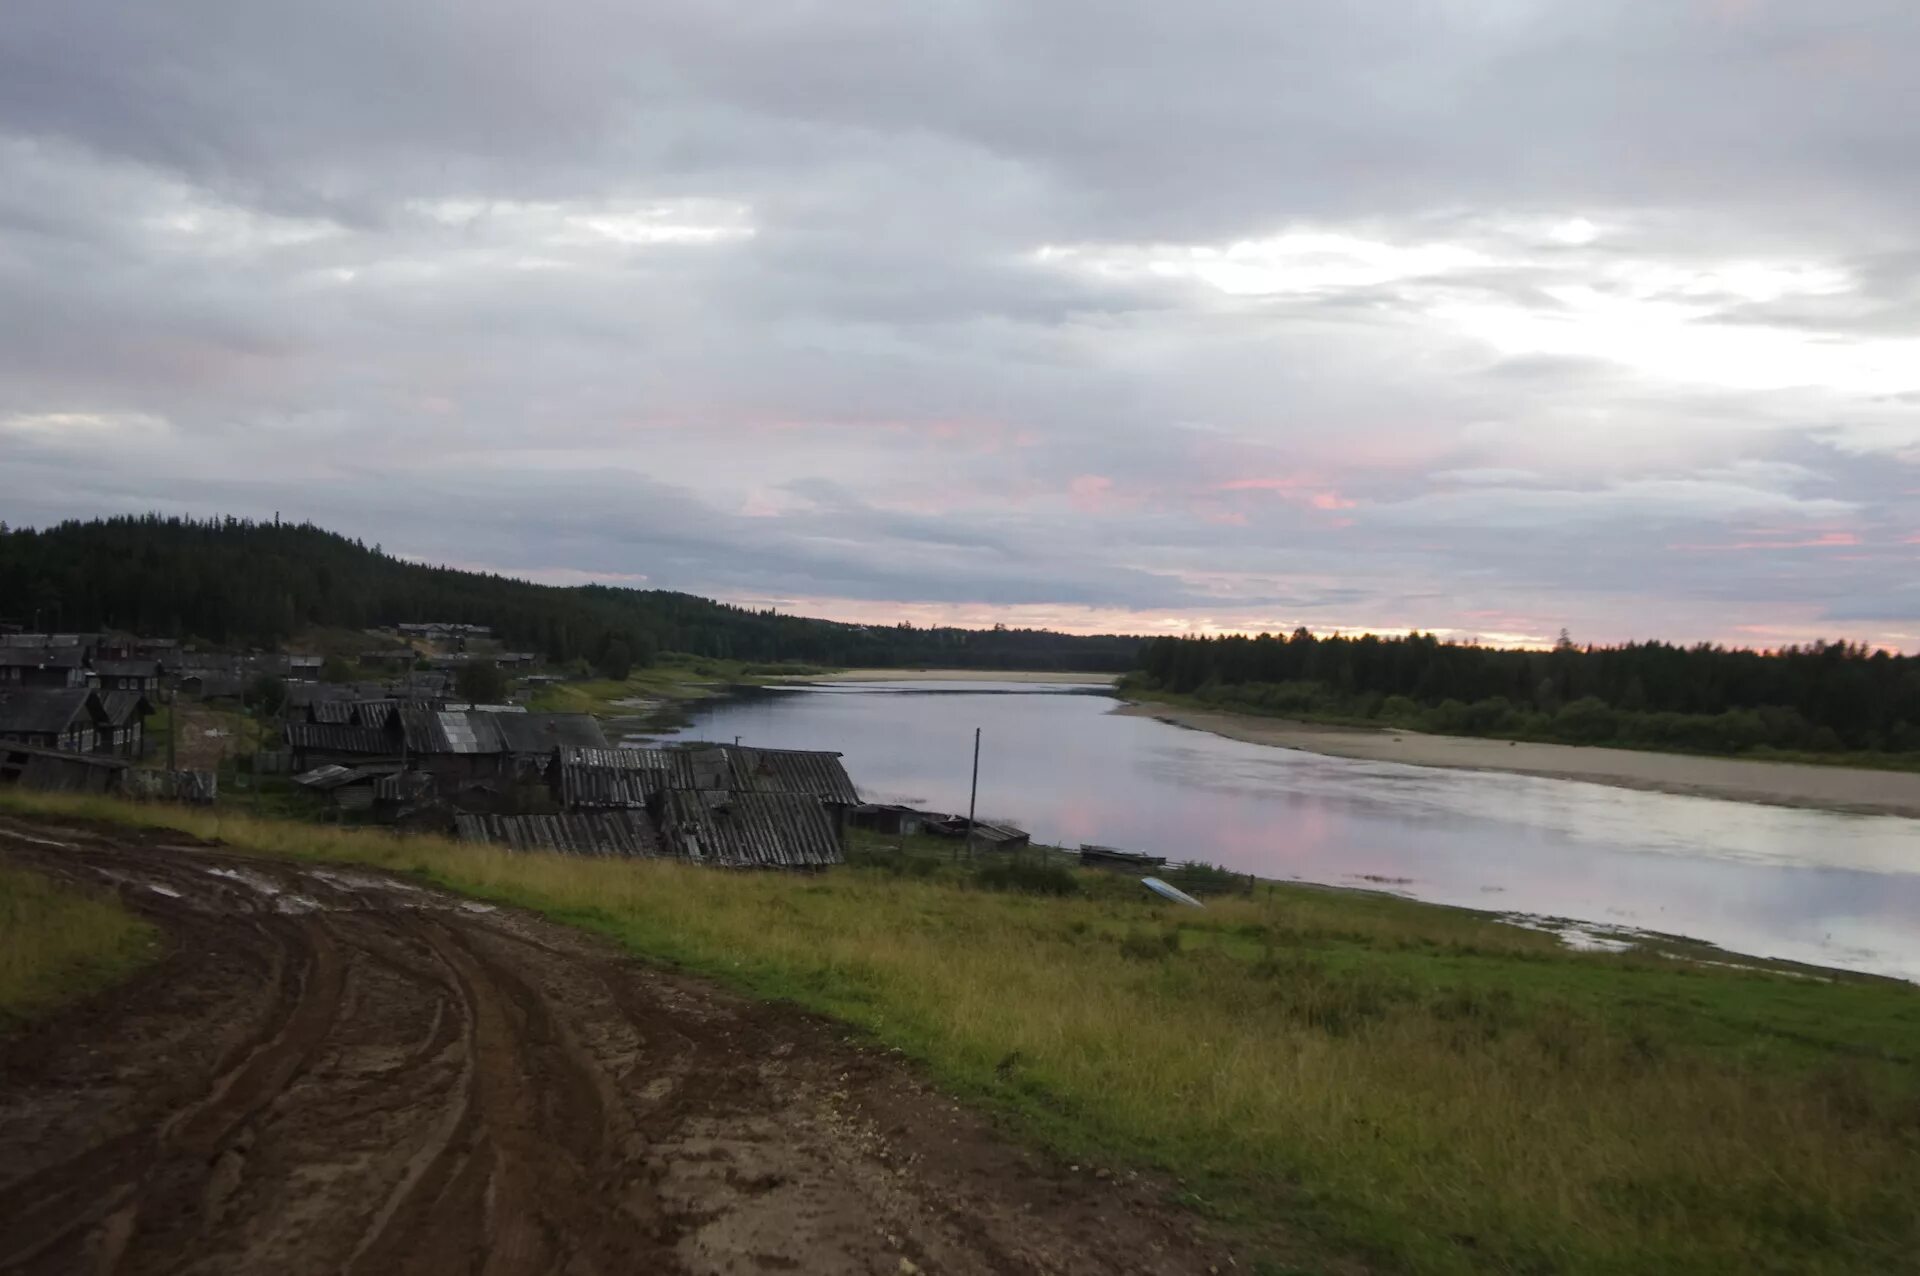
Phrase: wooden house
{"type": "Point", "coordinates": [127, 675]}
{"type": "Point", "coordinates": [66, 718]}
{"type": "Point", "coordinates": [124, 732]}
{"type": "Point", "coordinates": [42, 667]}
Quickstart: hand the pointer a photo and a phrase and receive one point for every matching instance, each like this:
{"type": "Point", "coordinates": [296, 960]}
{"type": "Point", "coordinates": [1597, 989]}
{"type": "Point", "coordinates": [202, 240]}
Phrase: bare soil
{"type": "Point", "coordinates": [339, 1071]}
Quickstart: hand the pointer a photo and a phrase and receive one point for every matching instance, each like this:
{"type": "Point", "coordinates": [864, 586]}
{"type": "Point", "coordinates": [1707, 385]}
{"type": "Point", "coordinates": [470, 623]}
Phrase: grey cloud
{"type": "Point", "coordinates": [234, 221]}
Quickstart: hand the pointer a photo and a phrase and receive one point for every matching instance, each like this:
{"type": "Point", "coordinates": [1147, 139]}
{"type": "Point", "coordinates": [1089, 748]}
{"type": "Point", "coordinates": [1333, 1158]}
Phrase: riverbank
{"type": "Point", "coordinates": [1826, 788]}
{"type": "Point", "coordinates": [1022, 676]}
{"type": "Point", "coordinates": [1340, 1079]}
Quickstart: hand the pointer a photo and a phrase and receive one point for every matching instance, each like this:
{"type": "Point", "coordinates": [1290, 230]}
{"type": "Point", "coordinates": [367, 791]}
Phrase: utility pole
{"type": "Point", "coordinates": [973, 796]}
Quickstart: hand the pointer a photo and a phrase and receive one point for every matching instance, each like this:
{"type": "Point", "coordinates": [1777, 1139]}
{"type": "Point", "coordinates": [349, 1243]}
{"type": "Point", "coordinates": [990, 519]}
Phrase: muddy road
{"type": "Point", "coordinates": [332, 1070]}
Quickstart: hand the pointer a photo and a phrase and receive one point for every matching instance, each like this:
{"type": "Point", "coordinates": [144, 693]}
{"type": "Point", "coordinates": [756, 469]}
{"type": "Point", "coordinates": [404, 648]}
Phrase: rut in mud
{"type": "Point", "coordinates": [339, 1071]}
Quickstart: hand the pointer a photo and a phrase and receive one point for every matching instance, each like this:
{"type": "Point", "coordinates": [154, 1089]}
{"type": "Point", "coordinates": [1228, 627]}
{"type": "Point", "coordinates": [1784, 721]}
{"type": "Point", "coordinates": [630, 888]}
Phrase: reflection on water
{"type": "Point", "coordinates": [1840, 890]}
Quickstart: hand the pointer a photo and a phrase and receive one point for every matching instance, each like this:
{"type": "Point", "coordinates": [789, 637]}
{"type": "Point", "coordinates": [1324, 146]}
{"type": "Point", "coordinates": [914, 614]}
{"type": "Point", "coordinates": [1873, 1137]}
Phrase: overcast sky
{"type": "Point", "coordinates": [1482, 316]}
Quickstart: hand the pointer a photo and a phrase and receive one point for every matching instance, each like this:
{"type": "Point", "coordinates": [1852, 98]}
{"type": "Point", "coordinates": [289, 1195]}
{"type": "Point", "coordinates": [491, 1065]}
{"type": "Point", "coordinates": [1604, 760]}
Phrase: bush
{"type": "Point", "coordinates": [1588, 720]}
{"type": "Point", "coordinates": [1028, 879]}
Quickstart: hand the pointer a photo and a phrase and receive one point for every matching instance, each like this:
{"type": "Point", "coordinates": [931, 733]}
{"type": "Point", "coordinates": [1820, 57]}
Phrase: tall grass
{"type": "Point", "coordinates": [58, 942]}
{"type": "Point", "coordinates": [1426, 1086]}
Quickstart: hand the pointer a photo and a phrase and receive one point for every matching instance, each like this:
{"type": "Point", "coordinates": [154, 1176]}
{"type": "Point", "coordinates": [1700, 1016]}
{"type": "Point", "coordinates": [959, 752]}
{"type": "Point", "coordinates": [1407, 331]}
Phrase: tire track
{"type": "Point", "coordinates": [336, 1072]}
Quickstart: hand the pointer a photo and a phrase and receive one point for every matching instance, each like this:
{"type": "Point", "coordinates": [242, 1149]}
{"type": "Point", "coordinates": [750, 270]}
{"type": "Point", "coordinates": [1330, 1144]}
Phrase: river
{"type": "Point", "coordinates": [1812, 886]}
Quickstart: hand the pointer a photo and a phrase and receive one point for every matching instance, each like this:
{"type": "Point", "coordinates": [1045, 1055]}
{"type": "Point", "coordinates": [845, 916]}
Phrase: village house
{"type": "Point", "coordinates": [67, 718]}
{"type": "Point", "coordinates": [725, 805]}
{"type": "Point", "coordinates": [127, 675]}
{"type": "Point", "coordinates": [59, 771]}
{"type": "Point", "coordinates": [124, 732]}
{"type": "Point", "coordinates": [42, 667]}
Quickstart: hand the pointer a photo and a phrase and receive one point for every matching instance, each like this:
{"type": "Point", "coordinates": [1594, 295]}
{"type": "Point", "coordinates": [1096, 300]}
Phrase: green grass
{"type": "Point", "coordinates": [674, 678]}
{"type": "Point", "coordinates": [60, 942]}
{"type": "Point", "coordinates": [1423, 1087]}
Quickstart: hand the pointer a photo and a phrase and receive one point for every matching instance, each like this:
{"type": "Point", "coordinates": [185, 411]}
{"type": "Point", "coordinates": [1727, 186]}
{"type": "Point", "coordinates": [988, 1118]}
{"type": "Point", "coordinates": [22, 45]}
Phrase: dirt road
{"type": "Point", "coordinates": [337, 1071]}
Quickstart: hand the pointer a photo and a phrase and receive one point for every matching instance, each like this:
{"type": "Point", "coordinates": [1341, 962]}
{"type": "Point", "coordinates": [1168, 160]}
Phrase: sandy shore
{"type": "Point", "coordinates": [1848, 789]}
{"type": "Point", "coordinates": [958, 675]}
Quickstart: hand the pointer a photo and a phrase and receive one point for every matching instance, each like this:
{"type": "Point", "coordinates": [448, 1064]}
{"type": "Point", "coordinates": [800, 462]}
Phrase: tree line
{"type": "Point", "coordinates": [1824, 696]}
{"type": "Point", "coordinates": [235, 583]}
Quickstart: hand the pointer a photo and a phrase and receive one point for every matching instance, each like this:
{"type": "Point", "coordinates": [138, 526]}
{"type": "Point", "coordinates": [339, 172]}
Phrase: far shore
{"type": "Point", "coordinates": [1846, 789]}
{"type": "Point", "coordinates": [955, 675]}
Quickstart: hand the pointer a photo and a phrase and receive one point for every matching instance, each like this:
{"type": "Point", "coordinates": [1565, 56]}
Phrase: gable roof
{"type": "Point", "coordinates": [48, 710]}
{"type": "Point", "coordinates": [125, 707]}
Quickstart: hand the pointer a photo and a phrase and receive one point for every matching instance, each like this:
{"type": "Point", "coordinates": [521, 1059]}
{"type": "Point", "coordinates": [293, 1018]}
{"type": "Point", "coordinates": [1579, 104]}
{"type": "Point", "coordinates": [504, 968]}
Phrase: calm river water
{"type": "Point", "coordinates": [1837, 890]}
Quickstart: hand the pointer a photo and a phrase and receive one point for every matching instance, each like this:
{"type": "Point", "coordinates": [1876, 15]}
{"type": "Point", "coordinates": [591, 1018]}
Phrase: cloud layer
{"type": "Point", "coordinates": [1488, 318]}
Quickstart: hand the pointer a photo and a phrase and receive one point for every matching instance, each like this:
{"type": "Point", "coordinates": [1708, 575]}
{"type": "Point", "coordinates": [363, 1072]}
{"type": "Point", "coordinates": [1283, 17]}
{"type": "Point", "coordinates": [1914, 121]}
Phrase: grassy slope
{"type": "Point", "coordinates": [58, 942]}
{"type": "Point", "coordinates": [674, 678]}
{"type": "Point", "coordinates": [1433, 1089]}
{"type": "Point", "coordinates": [1762, 753]}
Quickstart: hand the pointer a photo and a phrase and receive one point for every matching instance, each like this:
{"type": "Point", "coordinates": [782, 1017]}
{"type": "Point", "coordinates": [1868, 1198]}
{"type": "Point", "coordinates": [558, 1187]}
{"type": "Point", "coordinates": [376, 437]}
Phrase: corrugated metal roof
{"type": "Point", "coordinates": [479, 731]}
{"type": "Point", "coordinates": [326, 737]}
{"type": "Point", "coordinates": [612, 833]}
{"type": "Point", "coordinates": [749, 830]}
{"type": "Point", "coordinates": [542, 733]}
{"type": "Point", "coordinates": [816, 774]}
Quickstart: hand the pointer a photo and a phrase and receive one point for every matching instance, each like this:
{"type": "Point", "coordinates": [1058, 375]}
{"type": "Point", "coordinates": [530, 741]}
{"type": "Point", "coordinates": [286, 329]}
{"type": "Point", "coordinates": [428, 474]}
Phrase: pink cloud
{"type": "Point", "coordinates": [1823, 540]}
{"type": "Point", "coordinates": [1302, 489]}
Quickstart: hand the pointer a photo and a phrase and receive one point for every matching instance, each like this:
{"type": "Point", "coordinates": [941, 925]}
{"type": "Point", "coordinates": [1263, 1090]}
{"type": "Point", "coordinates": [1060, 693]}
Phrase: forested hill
{"type": "Point", "coordinates": [1823, 697]}
{"type": "Point", "coordinates": [236, 583]}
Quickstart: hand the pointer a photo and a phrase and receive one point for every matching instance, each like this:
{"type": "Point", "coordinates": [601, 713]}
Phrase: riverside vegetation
{"type": "Point", "coordinates": [1420, 1088]}
{"type": "Point", "coordinates": [1827, 702]}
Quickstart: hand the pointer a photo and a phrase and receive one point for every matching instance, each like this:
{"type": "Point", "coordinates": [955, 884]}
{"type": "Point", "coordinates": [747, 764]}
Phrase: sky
{"type": "Point", "coordinates": [1485, 317]}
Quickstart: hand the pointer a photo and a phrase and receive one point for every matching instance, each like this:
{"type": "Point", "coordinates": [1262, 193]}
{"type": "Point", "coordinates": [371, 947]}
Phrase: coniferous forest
{"type": "Point", "coordinates": [240, 584]}
{"type": "Point", "coordinates": [1825, 697]}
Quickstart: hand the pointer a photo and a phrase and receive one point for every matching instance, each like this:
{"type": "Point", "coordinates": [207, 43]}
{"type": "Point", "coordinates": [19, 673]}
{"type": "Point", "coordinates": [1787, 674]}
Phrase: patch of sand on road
{"type": "Point", "coordinates": [1854, 790]}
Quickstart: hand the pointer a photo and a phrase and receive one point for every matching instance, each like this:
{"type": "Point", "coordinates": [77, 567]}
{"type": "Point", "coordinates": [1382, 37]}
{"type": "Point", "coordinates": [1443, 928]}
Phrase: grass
{"type": "Point", "coordinates": [1423, 1087]}
{"type": "Point", "coordinates": [673, 679]}
{"type": "Point", "coordinates": [59, 942]}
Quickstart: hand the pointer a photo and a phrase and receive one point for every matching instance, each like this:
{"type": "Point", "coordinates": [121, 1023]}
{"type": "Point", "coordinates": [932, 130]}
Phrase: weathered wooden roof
{"type": "Point", "coordinates": [325, 778]}
{"type": "Point", "coordinates": [53, 769]}
{"type": "Point", "coordinates": [127, 668]}
{"type": "Point", "coordinates": [125, 707]}
{"type": "Point", "coordinates": [48, 710]}
{"type": "Point", "coordinates": [612, 833]}
{"type": "Point", "coordinates": [749, 830]}
{"type": "Point", "coordinates": [42, 657]}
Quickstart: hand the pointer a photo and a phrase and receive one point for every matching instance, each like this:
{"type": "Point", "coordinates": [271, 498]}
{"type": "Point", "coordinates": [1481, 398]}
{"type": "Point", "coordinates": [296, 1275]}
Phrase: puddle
{"type": "Point", "coordinates": [1585, 937]}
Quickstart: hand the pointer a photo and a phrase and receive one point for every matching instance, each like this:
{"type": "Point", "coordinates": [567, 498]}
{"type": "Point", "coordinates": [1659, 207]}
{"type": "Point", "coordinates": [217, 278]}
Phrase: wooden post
{"type": "Point", "coordinates": [173, 724]}
{"type": "Point", "coordinates": [973, 794]}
